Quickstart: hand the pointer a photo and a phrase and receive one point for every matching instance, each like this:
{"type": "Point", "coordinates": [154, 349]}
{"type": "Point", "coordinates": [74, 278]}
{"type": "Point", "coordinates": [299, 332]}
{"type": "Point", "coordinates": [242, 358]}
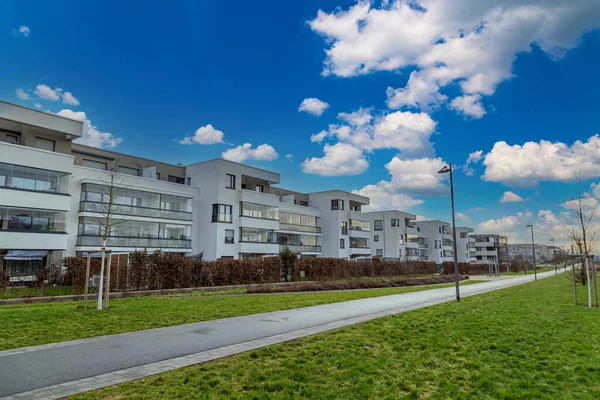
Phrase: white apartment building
{"type": "Point", "coordinates": [346, 229]}
{"type": "Point", "coordinates": [543, 253]}
{"type": "Point", "coordinates": [395, 235]}
{"type": "Point", "coordinates": [491, 249]}
{"type": "Point", "coordinates": [439, 240]}
{"type": "Point", "coordinates": [465, 244]}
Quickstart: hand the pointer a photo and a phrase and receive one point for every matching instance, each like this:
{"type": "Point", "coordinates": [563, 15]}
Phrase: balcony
{"type": "Point", "coordinates": [299, 228]}
{"type": "Point", "coordinates": [138, 242]}
{"type": "Point", "coordinates": [301, 248]}
{"type": "Point", "coordinates": [117, 209]}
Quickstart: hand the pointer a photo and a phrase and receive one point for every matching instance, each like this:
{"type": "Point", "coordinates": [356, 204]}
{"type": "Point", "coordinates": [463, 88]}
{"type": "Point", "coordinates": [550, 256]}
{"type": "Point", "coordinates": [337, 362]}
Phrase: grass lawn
{"type": "Point", "coordinates": [41, 323]}
{"type": "Point", "coordinates": [526, 342]}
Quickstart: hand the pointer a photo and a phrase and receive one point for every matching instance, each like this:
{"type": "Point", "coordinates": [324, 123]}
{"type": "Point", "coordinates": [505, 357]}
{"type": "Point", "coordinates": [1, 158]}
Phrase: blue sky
{"type": "Point", "coordinates": [148, 77]}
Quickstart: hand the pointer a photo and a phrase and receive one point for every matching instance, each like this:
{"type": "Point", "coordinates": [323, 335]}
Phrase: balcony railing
{"type": "Point", "coordinates": [301, 248]}
{"type": "Point", "coordinates": [116, 241]}
{"type": "Point", "coordinates": [299, 228]}
{"type": "Point", "coordinates": [119, 209]}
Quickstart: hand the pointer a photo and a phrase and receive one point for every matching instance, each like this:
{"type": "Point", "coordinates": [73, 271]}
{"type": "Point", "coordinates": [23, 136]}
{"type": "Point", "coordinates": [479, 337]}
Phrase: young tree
{"type": "Point", "coordinates": [581, 233]}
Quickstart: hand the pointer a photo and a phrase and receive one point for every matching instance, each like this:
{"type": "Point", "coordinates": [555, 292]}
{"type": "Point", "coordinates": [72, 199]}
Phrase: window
{"type": "Point", "coordinates": [463, 235]}
{"type": "Point", "coordinates": [358, 225]}
{"type": "Point", "coordinates": [376, 238]}
{"type": "Point", "coordinates": [355, 207]}
{"type": "Point", "coordinates": [303, 203]}
{"type": "Point", "coordinates": [221, 213]}
{"type": "Point", "coordinates": [176, 179]}
{"type": "Point", "coordinates": [243, 187]}
{"type": "Point", "coordinates": [158, 176]}
{"type": "Point", "coordinates": [44, 144]}
{"type": "Point", "coordinates": [378, 225]}
{"type": "Point", "coordinates": [32, 220]}
{"type": "Point", "coordinates": [257, 235]}
{"type": "Point", "coordinates": [344, 226]}
{"type": "Point", "coordinates": [440, 228]}
{"type": "Point", "coordinates": [379, 252]}
{"type": "Point", "coordinates": [231, 182]}
{"type": "Point", "coordinates": [12, 139]}
{"type": "Point", "coordinates": [435, 244]}
{"type": "Point", "coordinates": [401, 239]}
{"type": "Point", "coordinates": [259, 211]}
{"type": "Point", "coordinates": [395, 222]}
{"type": "Point", "coordinates": [41, 180]}
{"type": "Point", "coordinates": [337, 204]}
{"type": "Point", "coordinates": [128, 171]}
{"type": "Point", "coordinates": [399, 252]}
{"type": "Point", "coordinates": [342, 243]}
{"type": "Point", "coordinates": [189, 181]}
{"type": "Point", "coordinates": [229, 236]}
{"type": "Point", "coordinates": [94, 164]}
{"type": "Point", "coordinates": [260, 188]}
{"type": "Point", "coordinates": [359, 243]}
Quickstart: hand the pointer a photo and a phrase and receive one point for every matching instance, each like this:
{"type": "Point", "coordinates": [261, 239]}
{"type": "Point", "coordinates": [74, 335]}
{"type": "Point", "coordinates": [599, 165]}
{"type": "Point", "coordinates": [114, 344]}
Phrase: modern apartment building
{"type": "Point", "coordinates": [465, 244]}
{"type": "Point", "coordinates": [524, 251]}
{"type": "Point", "coordinates": [439, 240]}
{"type": "Point", "coordinates": [395, 236]}
{"type": "Point", "coordinates": [491, 249]}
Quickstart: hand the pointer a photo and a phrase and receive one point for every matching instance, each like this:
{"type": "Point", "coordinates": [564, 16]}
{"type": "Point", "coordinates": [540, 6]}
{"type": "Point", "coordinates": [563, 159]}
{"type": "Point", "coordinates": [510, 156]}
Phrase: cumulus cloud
{"type": "Point", "coordinates": [405, 131]}
{"type": "Point", "coordinates": [21, 94]}
{"type": "Point", "coordinates": [92, 136]}
{"type": "Point", "coordinates": [68, 98]}
{"type": "Point", "coordinates": [313, 106]}
{"type": "Point", "coordinates": [463, 217]}
{"type": "Point", "coordinates": [45, 92]}
{"type": "Point", "coordinates": [339, 159]}
{"type": "Point", "coordinates": [504, 224]}
{"type": "Point", "coordinates": [38, 105]}
{"type": "Point", "coordinates": [289, 156]}
{"type": "Point", "coordinates": [473, 44]}
{"type": "Point", "coordinates": [22, 31]}
{"type": "Point", "coordinates": [417, 176]}
{"type": "Point", "coordinates": [531, 163]}
{"type": "Point", "coordinates": [473, 158]}
{"type": "Point", "coordinates": [205, 135]}
{"type": "Point", "coordinates": [382, 197]}
{"type": "Point", "coordinates": [510, 197]}
{"type": "Point", "coordinates": [264, 152]}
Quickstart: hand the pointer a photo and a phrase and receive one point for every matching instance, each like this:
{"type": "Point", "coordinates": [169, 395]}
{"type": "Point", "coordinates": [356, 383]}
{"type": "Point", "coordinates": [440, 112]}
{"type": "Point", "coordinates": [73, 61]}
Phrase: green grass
{"type": "Point", "coordinates": [41, 323]}
{"type": "Point", "coordinates": [12, 293]}
{"type": "Point", "coordinates": [526, 342]}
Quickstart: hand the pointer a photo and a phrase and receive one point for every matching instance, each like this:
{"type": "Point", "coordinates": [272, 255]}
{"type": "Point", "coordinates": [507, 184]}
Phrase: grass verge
{"type": "Point", "coordinates": [525, 342]}
{"type": "Point", "coordinates": [41, 323]}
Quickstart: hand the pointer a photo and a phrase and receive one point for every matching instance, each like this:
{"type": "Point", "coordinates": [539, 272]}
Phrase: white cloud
{"type": "Point", "coordinates": [463, 217]}
{"type": "Point", "coordinates": [472, 43]}
{"type": "Point", "coordinates": [339, 159]}
{"type": "Point", "coordinates": [382, 197]}
{"type": "Point", "coordinates": [318, 137]}
{"type": "Point", "coordinates": [533, 162]}
{"type": "Point", "coordinates": [510, 197]}
{"type": "Point", "coordinates": [38, 105]}
{"type": "Point", "coordinates": [289, 156]}
{"type": "Point", "coordinates": [264, 152]}
{"type": "Point", "coordinates": [505, 224]}
{"type": "Point", "coordinates": [476, 209]}
{"type": "Point", "coordinates": [68, 98]}
{"type": "Point", "coordinates": [595, 189]}
{"type": "Point", "coordinates": [468, 105]}
{"type": "Point", "coordinates": [205, 135]}
{"type": "Point", "coordinates": [313, 106]}
{"type": "Point", "coordinates": [91, 135]}
{"type": "Point", "coordinates": [23, 31]}
{"type": "Point", "coordinates": [473, 158]}
{"type": "Point", "coordinates": [417, 176]}
{"type": "Point", "coordinates": [47, 93]}
{"type": "Point", "coordinates": [360, 117]}
{"type": "Point", "coordinates": [21, 94]}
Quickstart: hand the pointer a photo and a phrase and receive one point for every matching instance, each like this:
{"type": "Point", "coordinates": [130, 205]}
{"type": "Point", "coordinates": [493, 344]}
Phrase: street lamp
{"type": "Point", "coordinates": [553, 258]}
{"type": "Point", "coordinates": [533, 250]}
{"type": "Point", "coordinates": [444, 170]}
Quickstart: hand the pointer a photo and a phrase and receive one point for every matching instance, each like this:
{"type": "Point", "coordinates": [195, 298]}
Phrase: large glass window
{"type": "Point", "coordinates": [344, 227]}
{"type": "Point", "coordinates": [298, 222]}
{"type": "Point", "coordinates": [256, 235]}
{"type": "Point", "coordinates": [32, 220]}
{"type": "Point", "coordinates": [358, 225]}
{"type": "Point", "coordinates": [298, 240]}
{"type": "Point", "coordinates": [378, 225]}
{"type": "Point", "coordinates": [463, 235]}
{"type": "Point", "coordinates": [259, 211]}
{"type": "Point", "coordinates": [91, 226]}
{"type": "Point", "coordinates": [28, 178]}
{"type": "Point", "coordinates": [94, 164]}
{"type": "Point", "coordinates": [337, 204]}
{"type": "Point", "coordinates": [222, 213]}
{"type": "Point", "coordinates": [176, 179]}
{"type": "Point", "coordinates": [359, 243]}
{"type": "Point", "coordinates": [44, 144]}
{"type": "Point", "coordinates": [128, 171]}
{"type": "Point", "coordinates": [395, 222]}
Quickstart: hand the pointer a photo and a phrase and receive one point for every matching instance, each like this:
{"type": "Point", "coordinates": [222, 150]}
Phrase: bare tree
{"type": "Point", "coordinates": [579, 230]}
{"type": "Point", "coordinates": [111, 187]}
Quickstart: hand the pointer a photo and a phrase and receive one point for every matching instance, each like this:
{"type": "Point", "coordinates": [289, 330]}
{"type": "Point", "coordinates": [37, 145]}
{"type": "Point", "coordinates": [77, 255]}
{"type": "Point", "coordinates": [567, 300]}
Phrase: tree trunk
{"type": "Point", "coordinates": [87, 280]}
{"type": "Point", "coordinates": [574, 281]}
{"type": "Point", "coordinates": [594, 283]}
{"type": "Point", "coordinates": [589, 287]}
{"type": "Point", "coordinates": [101, 284]}
{"type": "Point", "coordinates": [107, 289]}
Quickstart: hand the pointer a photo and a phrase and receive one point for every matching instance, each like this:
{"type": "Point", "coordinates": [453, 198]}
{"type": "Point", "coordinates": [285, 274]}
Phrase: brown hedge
{"type": "Point", "coordinates": [327, 269]}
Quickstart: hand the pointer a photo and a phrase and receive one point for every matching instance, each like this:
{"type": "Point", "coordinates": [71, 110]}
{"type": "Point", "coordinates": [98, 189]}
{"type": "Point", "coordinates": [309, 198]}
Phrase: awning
{"type": "Point", "coordinates": [25, 254]}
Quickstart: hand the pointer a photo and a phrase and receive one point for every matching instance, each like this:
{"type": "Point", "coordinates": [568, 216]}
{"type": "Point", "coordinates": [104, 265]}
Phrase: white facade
{"type": "Point", "coordinates": [439, 240]}
{"type": "Point", "coordinates": [346, 230]}
{"type": "Point", "coordinates": [395, 235]}
{"type": "Point", "coordinates": [490, 249]}
{"type": "Point", "coordinates": [465, 244]}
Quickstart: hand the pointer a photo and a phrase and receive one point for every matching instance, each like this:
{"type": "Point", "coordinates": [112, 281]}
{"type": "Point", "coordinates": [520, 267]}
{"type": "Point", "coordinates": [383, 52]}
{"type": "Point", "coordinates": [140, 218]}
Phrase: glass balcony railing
{"type": "Point", "coordinates": [299, 228]}
{"type": "Point", "coordinates": [119, 209]}
{"type": "Point", "coordinates": [115, 241]}
{"type": "Point", "coordinates": [301, 248]}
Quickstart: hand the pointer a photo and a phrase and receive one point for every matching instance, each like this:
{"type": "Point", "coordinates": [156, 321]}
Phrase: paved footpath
{"type": "Point", "coordinates": [62, 369]}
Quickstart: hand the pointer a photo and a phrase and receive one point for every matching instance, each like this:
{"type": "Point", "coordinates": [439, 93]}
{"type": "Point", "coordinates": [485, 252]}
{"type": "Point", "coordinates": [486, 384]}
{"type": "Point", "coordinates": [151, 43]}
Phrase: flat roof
{"type": "Point", "coordinates": [92, 153]}
{"type": "Point", "coordinates": [387, 211]}
{"type": "Point", "coordinates": [340, 191]}
{"type": "Point", "coordinates": [233, 162]}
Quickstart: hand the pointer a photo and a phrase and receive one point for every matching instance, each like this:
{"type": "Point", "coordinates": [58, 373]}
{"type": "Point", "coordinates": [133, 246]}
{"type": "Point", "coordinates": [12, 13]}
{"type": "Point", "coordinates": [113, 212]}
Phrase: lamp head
{"type": "Point", "coordinates": [444, 170]}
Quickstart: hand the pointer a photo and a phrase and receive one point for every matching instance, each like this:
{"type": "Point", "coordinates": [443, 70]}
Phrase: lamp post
{"type": "Point", "coordinates": [533, 250]}
{"type": "Point", "coordinates": [444, 170]}
{"type": "Point", "coordinates": [553, 260]}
